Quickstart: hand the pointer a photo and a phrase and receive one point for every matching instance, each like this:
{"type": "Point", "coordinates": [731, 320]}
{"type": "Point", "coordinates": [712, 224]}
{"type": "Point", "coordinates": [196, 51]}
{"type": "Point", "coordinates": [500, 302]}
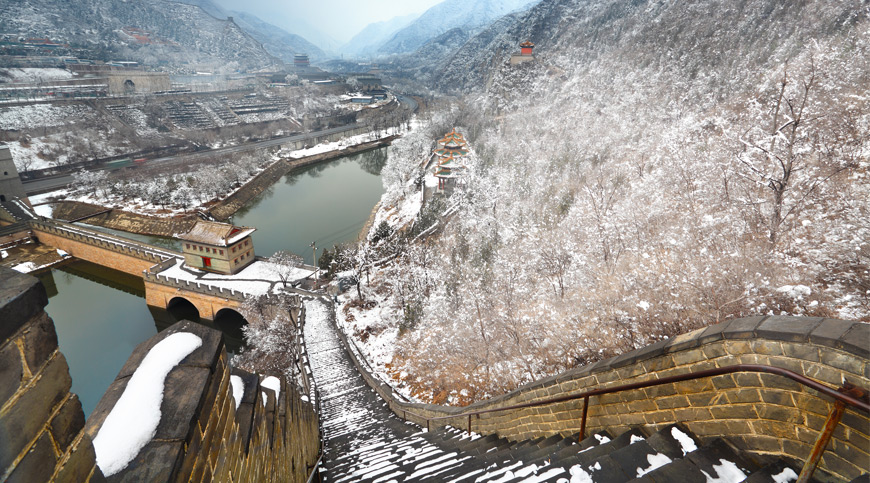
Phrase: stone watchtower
{"type": "Point", "coordinates": [218, 247]}
{"type": "Point", "coordinates": [10, 183]}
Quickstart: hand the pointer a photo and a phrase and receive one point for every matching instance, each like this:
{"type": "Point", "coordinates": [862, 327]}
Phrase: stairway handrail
{"type": "Point", "coordinates": [847, 399]}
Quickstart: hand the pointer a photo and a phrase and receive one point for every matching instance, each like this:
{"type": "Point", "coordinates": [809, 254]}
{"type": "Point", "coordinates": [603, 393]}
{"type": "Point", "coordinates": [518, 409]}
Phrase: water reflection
{"type": "Point", "coordinates": [327, 203]}
{"type": "Point", "coordinates": [100, 316]}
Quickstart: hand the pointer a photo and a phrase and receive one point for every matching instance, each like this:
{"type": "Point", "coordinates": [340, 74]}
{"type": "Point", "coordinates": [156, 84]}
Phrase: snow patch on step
{"type": "Point", "coordinates": [726, 472]}
{"type": "Point", "coordinates": [655, 461]}
{"type": "Point", "coordinates": [686, 442]}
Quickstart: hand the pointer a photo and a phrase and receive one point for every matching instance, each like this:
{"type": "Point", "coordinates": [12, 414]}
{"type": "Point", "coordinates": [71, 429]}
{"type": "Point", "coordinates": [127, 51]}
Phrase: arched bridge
{"type": "Point", "coordinates": [139, 259]}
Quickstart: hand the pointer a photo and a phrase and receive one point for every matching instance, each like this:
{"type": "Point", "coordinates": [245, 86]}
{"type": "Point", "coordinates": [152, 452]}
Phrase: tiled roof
{"type": "Point", "coordinates": [217, 234]}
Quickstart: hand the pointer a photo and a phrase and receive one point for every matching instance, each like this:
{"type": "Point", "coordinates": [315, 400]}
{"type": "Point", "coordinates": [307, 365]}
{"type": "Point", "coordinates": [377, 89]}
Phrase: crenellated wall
{"type": "Point", "coordinates": [125, 256]}
{"type": "Point", "coordinates": [41, 423]}
{"type": "Point", "coordinates": [759, 413]}
{"type": "Point", "coordinates": [201, 436]}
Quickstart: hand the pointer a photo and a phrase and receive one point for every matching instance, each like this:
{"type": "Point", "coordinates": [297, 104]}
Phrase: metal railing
{"type": "Point", "coordinates": [847, 396]}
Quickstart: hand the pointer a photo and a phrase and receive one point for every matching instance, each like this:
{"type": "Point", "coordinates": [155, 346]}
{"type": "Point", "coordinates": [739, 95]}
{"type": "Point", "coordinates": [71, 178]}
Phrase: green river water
{"type": "Point", "coordinates": [101, 315]}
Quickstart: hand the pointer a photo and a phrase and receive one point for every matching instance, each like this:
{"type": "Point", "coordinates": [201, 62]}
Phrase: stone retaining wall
{"type": "Point", "coordinates": [41, 422]}
{"type": "Point", "coordinates": [125, 221]}
{"type": "Point", "coordinates": [222, 210]}
{"type": "Point", "coordinates": [202, 436]}
{"type": "Point", "coordinates": [758, 413]}
{"type": "Point", "coordinates": [225, 208]}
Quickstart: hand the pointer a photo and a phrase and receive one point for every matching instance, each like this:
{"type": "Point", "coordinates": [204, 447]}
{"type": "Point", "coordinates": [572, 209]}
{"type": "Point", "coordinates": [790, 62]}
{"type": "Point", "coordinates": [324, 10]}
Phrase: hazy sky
{"type": "Point", "coordinates": [340, 19]}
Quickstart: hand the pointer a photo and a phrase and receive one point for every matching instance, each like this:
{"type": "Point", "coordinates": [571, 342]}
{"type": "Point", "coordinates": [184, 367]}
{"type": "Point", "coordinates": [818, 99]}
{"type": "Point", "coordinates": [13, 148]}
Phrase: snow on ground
{"type": "Point", "coordinates": [785, 476]}
{"type": "Point", "coordinates": [33, 75]}
{"type": "Point", "coordinates": [48, 197]}
{"type": "Point", "coordinates": [44, 115]}
{"type": "Point", "coordinates": [655, 461]}
{"type": "Point", "coordinates": [45, 210]}
{"type": "Point", "coordinates": [330, 146]}
{"type": "Point", "coordinates": [726, 472]}
{"type": "Point", "coordinates": [54, 149]}
{"type": "Point", "coordinates": [400, 215]}
{"type": "Point", "coordinates": [132, 423]}
{"type": "Point", "coordinates": [25, 267]}
{"type": "Point", "coordinates": [272, 382]}
{"type": "Point", "coordinates": [257, 278]}
{"type": "Point", "coordinates": [380, 341]}
{"type": "Point", "coordinates": [687, 444]}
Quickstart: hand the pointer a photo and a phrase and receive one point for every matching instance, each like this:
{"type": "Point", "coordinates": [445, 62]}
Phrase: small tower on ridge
{"type": "Point", "coordinates": [525, 54]}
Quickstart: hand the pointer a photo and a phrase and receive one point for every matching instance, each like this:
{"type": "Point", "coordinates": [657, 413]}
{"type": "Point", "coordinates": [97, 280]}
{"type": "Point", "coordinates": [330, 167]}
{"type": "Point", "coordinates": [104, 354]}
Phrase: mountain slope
{"type": "Point", "coordinates": [367, 41]}
{"type": "Point", "coordinates": [275, 40]}
{"type": "Point", "coordinates": [173, 32]}
{"type": "Point", "coordinates": [448, 15]}
{"type": "Point", "coordinates": [726, 36]}
{"type": "Point", "coordinates": [659, 167]}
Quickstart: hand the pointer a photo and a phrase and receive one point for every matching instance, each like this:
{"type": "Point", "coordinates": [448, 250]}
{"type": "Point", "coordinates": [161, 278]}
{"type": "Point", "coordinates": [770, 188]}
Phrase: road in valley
{"type": "Point", "coordinates": [43, 185]}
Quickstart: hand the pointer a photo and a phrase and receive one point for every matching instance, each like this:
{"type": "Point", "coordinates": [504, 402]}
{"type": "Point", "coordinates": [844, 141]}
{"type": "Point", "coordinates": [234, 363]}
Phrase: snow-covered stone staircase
{"type": "Point", "coordinates": [365, 441]}
{"type": "Point", "coordinates": [671, 454]}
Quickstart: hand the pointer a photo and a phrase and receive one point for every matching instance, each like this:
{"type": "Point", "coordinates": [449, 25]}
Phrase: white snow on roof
{"type": "Point", "coordinates": [133, 421]}
{"type": "Point", "coordinates": [238, 389]}
{"type": "Point", "coordinates": [272, 383]}
{"type": "Point", "coordinates": [726, 472]}
{"type": "Point", "coordinates": [635, 439]}
{"type": "Point", "coordinates": [686, 442]}
{"type": "Point", "coordinates": [655, 461]}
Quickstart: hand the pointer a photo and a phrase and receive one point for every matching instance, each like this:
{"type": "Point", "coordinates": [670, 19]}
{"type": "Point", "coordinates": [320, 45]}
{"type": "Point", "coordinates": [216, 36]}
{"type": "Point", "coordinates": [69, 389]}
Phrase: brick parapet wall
{"type": "Point", "coordinates": [126, 256]}
{"type": "Point", "coordinates": [202, 436]}
{"type": "Point", "coordinates": [41, 422]}
{"type": "Point", "coordinates": [758, 413]}
{"type": "Point", "coordinates": [198, 287]}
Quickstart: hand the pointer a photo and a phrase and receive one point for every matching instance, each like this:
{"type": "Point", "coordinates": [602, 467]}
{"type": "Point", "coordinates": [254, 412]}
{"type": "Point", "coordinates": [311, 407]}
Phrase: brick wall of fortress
{"type": "Point", "coordinates": [97, 251]}
{"type": "Point", "coordinates": [759, 413]}
{"type": "Point", "coordinates": [41, 422]}
{"type": "Point", "coordinates": [201, 435]}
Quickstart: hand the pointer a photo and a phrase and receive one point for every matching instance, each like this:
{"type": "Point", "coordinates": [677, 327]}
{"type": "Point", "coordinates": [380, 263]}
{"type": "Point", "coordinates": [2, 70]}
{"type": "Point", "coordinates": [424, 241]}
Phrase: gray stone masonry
{"type": "Point", "coordinates": [760, 413]}
{"type": "Point", "coordinates": [41, 422]}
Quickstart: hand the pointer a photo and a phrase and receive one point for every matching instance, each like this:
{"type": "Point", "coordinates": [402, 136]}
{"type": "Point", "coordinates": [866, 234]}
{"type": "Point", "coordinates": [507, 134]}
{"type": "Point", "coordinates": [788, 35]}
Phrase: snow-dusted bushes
{"type": "Point", "coordinates": [612, 208]}
{"type": "Point", "coordinates": [177, 192]}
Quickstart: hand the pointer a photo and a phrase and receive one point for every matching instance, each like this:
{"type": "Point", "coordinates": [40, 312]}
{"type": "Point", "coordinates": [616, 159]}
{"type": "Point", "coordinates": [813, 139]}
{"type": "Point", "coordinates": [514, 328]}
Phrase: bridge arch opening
{"type": "Point", "coordinates": [231, 322]}
{"type": "Point", "coordinates": [129, 86]}
{"type": "Point", "coordinates": [182, 309]}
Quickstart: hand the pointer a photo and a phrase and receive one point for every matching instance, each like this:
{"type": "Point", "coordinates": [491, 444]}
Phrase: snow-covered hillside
{"type": "Point", "coordinates": [660, 166]}
{"type": "Point", "coordinates": [450, 14]}
{"type": "Point", "coordinates": [367, 41]}
{"type": "Point", "coordinates": [152, 31]}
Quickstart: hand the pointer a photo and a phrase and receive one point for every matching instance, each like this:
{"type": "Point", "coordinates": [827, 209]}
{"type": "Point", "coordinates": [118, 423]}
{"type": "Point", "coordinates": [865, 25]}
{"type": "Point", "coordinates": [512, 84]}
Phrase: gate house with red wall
{"type": "Point", "coordinates": [218, 247]}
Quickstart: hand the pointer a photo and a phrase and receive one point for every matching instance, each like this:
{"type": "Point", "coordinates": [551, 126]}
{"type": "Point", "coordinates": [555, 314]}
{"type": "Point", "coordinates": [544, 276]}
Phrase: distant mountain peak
{"type": "Point", "coordinates": [447, 15]}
